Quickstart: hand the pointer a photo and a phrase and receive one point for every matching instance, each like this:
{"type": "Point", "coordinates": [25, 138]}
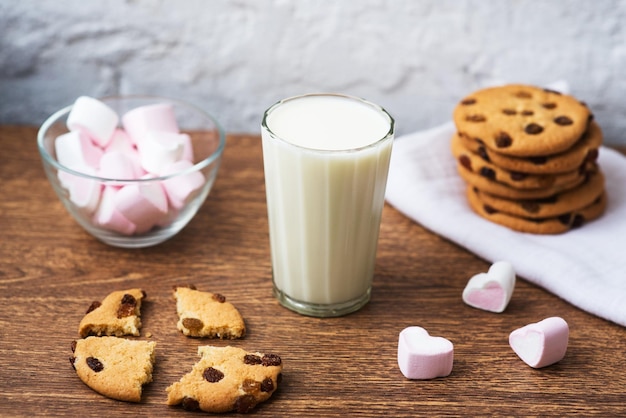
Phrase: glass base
{"type": "Point", "coordinates": [321, 310]}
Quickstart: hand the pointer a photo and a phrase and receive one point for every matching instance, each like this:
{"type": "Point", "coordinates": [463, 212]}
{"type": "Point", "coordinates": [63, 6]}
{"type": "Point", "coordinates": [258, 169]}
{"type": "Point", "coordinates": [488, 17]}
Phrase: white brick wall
{"type": "Point", "coordinates": [235, 58]}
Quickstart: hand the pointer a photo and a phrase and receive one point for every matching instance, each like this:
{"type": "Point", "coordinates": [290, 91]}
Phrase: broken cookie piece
{"type": "Point", "coordinates": [205, 314]}
{"type": "Point", "coordinates": [118, 314]}
{"type": "Point", "coordinates": [227, 379]}
{"type": "Point", "coordinates": [114, 367]}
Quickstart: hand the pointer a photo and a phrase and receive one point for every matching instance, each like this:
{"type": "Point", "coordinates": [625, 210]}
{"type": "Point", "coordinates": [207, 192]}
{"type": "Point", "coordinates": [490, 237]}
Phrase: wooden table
{"type": "Point", "coordinates": [51, 271]}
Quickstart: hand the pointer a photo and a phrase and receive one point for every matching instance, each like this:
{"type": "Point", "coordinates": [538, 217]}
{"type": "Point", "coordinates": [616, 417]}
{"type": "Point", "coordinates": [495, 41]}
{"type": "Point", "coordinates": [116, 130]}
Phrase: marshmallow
{"type": "Point", "coordinates": [120, 166]}
{"type": "Point", "coordinates": [541, 344]}
{"type": "Point", "coordinates": [421, 356]}
{"type": "Point", "coordinates": [143, 204]}
{"type": "Point", "coordinates": [120, 141]}
{"type": "Point", "coordinates": [107, 216]}
{"type": "Point", "coordinates": [160, 149]}
{"type": "Point", "coordinates": [491, 291]}
{"type": "Point", "coordinates": [150, 118]}
{"type": "Point", "coordinates": [75, 149]}
{"type": "Point", "coordinates": [180, 189]}
{"type": "Point", "coordinates": [84, 192]}
{"type": "Point", "coordinates": [93, 117]}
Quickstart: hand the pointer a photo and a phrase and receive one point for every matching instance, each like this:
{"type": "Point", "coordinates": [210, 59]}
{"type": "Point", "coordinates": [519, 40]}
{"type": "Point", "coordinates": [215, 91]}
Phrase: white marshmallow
{"type": "Point", "coordinates": [491, 291]}
{"type": "Point", "coordinates": [421, 356]}
{"type": "Point", "coordinates": [84, 192]}
{"type": "Point", "coordinates": [181, 189]}
{"type": "Point", "coordinates": [107, 216]}
{"type": "Point", "coordinates": [143, 204]}
{"type": "Point", "coordinates": [157, 117]}
{"type": "Point", "coordinates": [160, 149]}
{"type": "Point", "coordinates": [75, 149]}
{"type": "Point", "coordinates": [93, 117]}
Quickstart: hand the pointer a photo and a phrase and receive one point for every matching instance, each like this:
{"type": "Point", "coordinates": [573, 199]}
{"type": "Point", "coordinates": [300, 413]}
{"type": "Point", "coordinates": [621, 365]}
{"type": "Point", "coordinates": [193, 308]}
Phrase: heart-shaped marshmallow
{"type": "Point", "coordinates": [491, 291]}
{"type": "Point", "coordinates": [541, 344]}
{"type": "Point", "coordinates": [421, 356]}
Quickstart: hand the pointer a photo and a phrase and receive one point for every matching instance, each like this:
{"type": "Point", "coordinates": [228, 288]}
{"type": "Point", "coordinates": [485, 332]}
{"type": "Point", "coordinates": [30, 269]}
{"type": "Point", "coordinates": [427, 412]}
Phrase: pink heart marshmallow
{"type": "Point", "coordinates": [541, 344]}
{"type": "Point", "coordinates": [491, 291]}
{"type": "Point", "coordinates": [421, 356]}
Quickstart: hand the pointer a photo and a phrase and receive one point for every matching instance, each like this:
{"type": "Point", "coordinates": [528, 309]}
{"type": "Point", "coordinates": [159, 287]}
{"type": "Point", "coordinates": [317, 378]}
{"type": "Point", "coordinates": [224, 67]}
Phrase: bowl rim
{"type": "Point", "coordinates": [53, 118]}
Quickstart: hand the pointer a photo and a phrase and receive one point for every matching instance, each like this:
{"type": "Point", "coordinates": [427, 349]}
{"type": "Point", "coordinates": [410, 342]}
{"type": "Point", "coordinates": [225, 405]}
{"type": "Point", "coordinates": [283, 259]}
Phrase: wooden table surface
{"type": "Point", "coordinates": [51, 271]}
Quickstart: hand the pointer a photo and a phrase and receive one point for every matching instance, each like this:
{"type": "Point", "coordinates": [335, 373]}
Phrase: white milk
{"type": "Point", "coordinates": [326, 162]}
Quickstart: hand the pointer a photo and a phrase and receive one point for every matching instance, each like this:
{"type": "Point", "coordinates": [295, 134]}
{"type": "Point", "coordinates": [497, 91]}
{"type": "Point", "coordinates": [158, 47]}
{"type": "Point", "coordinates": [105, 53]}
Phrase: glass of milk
{"type": "Point", "coordinates": [326, 159]}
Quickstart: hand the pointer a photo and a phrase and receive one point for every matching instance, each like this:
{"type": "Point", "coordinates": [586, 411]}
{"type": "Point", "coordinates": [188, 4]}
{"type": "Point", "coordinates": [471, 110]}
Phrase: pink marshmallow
{"type": "Point", "coordinates": [120, 141]}
{"type": "Point", "coordinates": [421, 356]}
{"type": "Point", "coordinates": [157, 117]}
{"type": "Point", "coordinates": [541, 344]}
{"type": "Point", "coordinates": [120, 166]}
{"type": "Point", "coordinates": [107, 216]}
{"type": "Point", "coordinates": [144, 204]}
{"type": "Point", "coordinates": [84, 192]}
{"type": "Point", "coordinates": [93, 117]}
{"type": "Point", "coordinates": [181, 189]}
{"type": "Point", "coordinates": [75, 149]}
{"type": "Point", "coordinates": [160, 149]}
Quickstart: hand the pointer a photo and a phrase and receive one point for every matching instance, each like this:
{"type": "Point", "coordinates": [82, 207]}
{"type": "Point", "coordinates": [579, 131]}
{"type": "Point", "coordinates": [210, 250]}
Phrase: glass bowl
{"type": "Point", "coordinates": [151, 207]}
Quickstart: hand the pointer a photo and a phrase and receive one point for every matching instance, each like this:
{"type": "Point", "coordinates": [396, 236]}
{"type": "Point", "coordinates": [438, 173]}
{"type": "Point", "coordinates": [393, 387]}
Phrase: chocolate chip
{"type": "Point", "coordinates": [527, 113]}
{"type": "Point", "coordinates": [190, 404]}
{"type": "Point", "coordinates": [538, 160]}
{"type": "Point", "coordinates": [73, 346]}
{"type": "Point", "coordinates": [530, 206]}
{"type": "Point", "coordinates": [533, 129]}
{"type": "Point", "coordinates": [219, 298]}
{"type": "Point", "coordinates": [489, 209]}
{"type": "Point", "coordinates": [245, 404]}
{"type": "Point", "coordinates": [252, 359]}
{"type": "Point", "coordinates": [509, 112]}
{"type": "Point", "coordinates": [72, 361]}
{"type": "Point", "coordinates": [250, 386]}
{"type": "Point", "coordinates": [95, 364]}
{"type": "Point", "coordinates": [475, 118]}
{"type": "Point", "coordinates": [578, 221]}
{"type": "Point", "coordinates": [94, 305]}
{"type": "Point", "coordinates": [523, 94]}
{"type": "Point", "coordinates": [465, 162]}
{"type": "Point", "coordinates": [127, 306]}
{"type": "Point", "coordinates": [482, 151]}
{"type": "Point", "coordinates": [517, 176]}
{"type": "Point", "coordinates": [592, 155]}
{"type": "Point", "coordinates": [563, 120]}
{"type": "Point", "coordinates": [488, 173]}
{"type": "Point", "coordinates": [193, 324]}
{"type": "Point", "coordinates": [565, 219]}
{"type": "Point", "coordinates": [271, 360]}
{"type": "Point", "coordinates": [549, 105]}
{"type": "Point", "coordinates": [212, 375]}
{"type": "Point", "coordinates": [468, 101]}
{"type": "Point", "coordinates": [503, 140]}
{"type": "Point", "coordinates": [267, 385]}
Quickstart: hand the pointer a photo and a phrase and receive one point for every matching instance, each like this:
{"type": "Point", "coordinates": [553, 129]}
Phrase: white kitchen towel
{"type": "Point", "coordinates": [585, 266]}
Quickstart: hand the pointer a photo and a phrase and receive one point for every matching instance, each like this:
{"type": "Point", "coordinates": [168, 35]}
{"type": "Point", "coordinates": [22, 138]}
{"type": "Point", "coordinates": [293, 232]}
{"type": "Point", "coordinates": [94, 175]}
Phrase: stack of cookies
{"type": "Point", "coordinates": [529, 158]}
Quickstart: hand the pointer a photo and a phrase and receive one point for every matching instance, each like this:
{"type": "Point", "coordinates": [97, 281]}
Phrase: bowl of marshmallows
{"type": "Point", "coordinates": [131, 170]}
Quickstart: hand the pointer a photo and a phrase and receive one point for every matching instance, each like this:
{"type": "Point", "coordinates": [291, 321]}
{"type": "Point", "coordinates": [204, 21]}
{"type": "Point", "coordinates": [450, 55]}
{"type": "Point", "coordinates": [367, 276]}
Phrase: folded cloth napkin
{"type": "Point", "coordinates": [585, 266]}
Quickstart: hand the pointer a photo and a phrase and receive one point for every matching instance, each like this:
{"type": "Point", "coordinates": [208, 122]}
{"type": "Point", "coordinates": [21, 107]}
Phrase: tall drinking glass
{"type": "Point", "coordinates": [326, 159]}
